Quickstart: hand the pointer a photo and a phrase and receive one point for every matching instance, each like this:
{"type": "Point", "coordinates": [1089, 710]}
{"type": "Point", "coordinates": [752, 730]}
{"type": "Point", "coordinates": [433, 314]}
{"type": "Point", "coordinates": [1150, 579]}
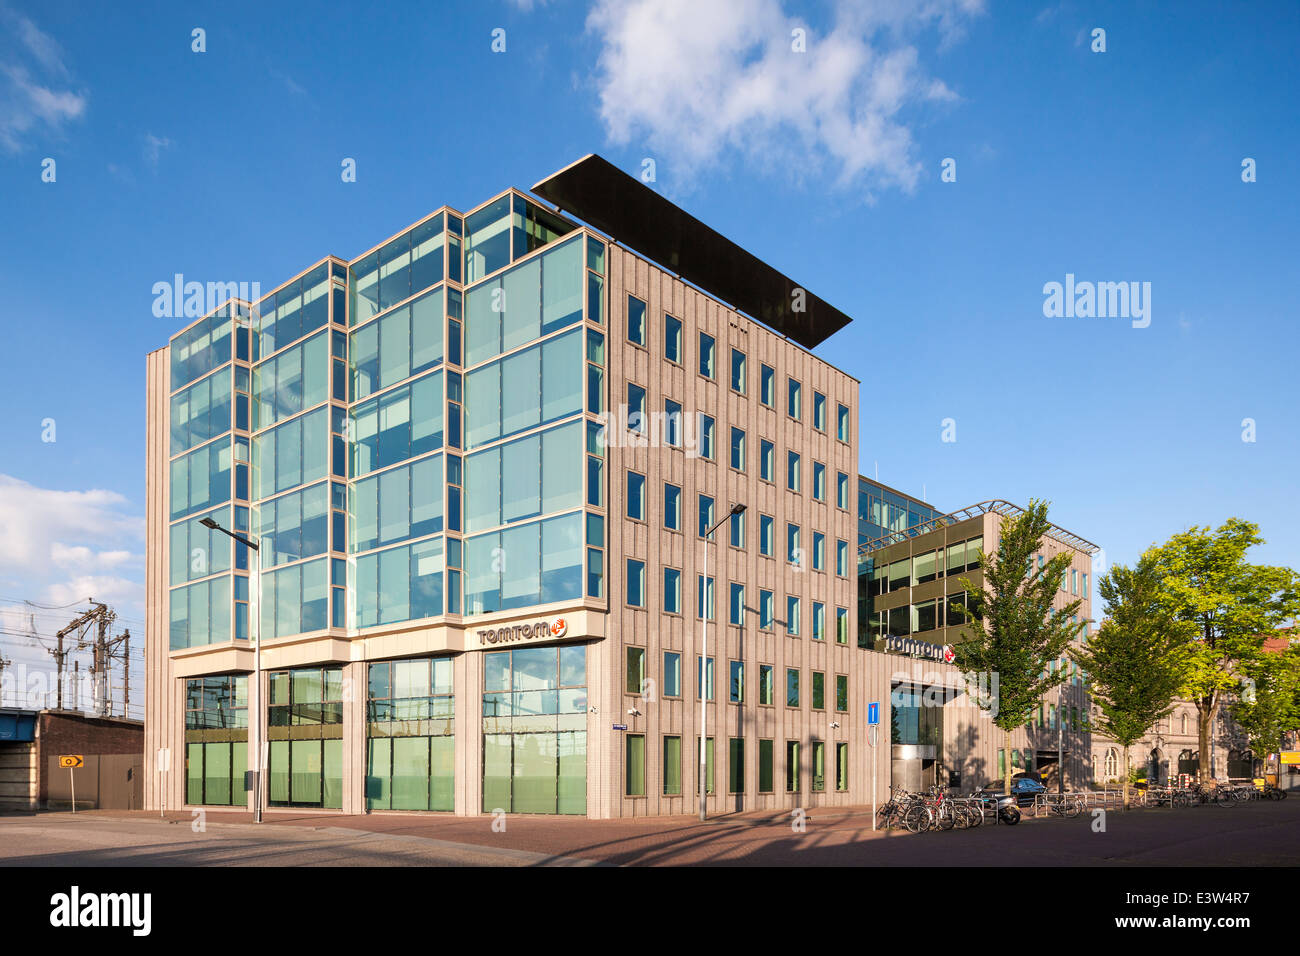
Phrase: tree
{"type": "Point", "coordinates": [1013, 631]}
{"type": "Point", "coordinates": [1269, 708]}
{"type": "Point", "coordinates": [1234, 606]}
{"type": "Point", "coordinates": [1135, 663]}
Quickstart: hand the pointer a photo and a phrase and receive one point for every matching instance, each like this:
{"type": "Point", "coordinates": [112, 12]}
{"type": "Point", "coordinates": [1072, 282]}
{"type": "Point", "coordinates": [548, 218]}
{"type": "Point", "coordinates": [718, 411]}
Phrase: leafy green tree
{"type": "Point", "coordinates": [1234, 605]}
{"type": "Point", "coordinates": [1012, 631]}
{"type": "Point", "coordinates": [1269, 707]}
{"type": "Point", "coordinates": [1136, 662]}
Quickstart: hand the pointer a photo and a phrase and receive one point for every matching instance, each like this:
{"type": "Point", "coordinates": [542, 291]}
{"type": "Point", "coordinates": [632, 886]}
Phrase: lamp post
{"type": "Point", "coordinates": [254, 614]}
{"type": "Point", "coordinates": [736, 509]}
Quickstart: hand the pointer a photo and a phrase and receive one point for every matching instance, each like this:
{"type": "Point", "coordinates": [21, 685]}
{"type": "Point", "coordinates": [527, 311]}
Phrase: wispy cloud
{"type": "Point", "coordinates": [34, 96]}
{"type": "Point", "coordinates": [702, 83]}
{"type": "Point", "coordinates": [153, 147]}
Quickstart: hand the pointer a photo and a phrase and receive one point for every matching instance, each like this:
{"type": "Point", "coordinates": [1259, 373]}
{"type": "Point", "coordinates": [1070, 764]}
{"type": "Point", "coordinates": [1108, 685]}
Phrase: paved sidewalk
{"type": "Point", "coordinates": [1262, 833]}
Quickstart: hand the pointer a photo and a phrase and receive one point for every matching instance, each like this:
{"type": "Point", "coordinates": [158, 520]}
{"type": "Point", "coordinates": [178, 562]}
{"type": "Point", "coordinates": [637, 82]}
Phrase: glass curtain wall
{"type": "Point", "coordinates": [410, 746]}
{"type": "Point", "coordinates": [216, 740]}
{"type": "Point", "coordinates": [535, 730]}
{"type": "Point", "coordinates": [305, 731]}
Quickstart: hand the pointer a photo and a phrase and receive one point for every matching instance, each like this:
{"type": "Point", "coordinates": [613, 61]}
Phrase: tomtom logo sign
{"type": "Point", "coordinates": [914, 648]}
{"type": "Point", "coordinates": [524, 632]}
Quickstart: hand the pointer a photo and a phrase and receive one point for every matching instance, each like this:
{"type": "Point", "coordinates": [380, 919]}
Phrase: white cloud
{"type": "Point", "coordinates": [701, 82]}
{"type": "Point", "coordinates": [153, 147]}
{"type": "Point", "coordinates": [65, 546]}
{"type": "Point", "coordinates": [30, 77]}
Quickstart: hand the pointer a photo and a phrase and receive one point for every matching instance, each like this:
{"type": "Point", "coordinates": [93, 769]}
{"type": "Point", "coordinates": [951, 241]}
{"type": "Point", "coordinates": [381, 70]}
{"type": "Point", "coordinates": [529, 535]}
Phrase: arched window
{"type": "Point", "coordinates": [1182, 723]}
{"type": "Point", "coordinates": [1110, 768]}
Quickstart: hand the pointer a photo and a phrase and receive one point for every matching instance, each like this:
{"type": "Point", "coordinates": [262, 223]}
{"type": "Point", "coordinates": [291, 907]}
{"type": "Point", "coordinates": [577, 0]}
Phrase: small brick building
{"type": "Point", "coordinates": [112, 749]}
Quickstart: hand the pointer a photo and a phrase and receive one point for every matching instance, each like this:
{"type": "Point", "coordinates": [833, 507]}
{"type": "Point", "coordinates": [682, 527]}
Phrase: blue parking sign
{"type": "Point", "coordinates": [873, 712]}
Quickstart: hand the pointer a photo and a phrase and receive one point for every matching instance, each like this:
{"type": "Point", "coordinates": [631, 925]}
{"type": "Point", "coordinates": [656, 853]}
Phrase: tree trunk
{"type": "Point", "coordinates": [1205, 709]}
{"type": "Point", "coordinates": [1127, 772]}
{"type": "Point", "coordinates": [1006, 760]}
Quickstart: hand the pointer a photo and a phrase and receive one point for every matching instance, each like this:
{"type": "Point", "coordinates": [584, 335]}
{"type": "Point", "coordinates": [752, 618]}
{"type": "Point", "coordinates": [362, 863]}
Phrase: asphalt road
{"type": "Point", "coordinates": [1256, 834]}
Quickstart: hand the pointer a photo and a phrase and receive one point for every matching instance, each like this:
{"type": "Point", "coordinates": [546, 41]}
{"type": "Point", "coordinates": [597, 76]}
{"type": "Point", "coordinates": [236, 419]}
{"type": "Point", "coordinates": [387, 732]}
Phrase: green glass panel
{"type": "Point", "coordinates": [279, 771]}
{"type": "Point", "coordinates": [442, 773]}
{"type": "Point", "coordinates": [572, 795]}
{"type": "Point", "coordinates": [672, 765]}
{"type": "Point", "coordinates": [305, 771]}
{"type": "Point", "coordinates": [332, 778]}
{"type": "Point", "coordinates": [194, 773]}
{"type": "Point", "coordinates": [216, 774]}
{"type": "Point", "coordinates": [378, 771]}
{"type": "Point", "coordinates": [535, 771]}
{"type": "Point", "coordinates": [411, 773]}
{"type": "Point", "coordinates": [238, 767]}
{"type": "Point", "coordinates": [635, 767]}
{"type": "Point", "coordinates": [496, 772]}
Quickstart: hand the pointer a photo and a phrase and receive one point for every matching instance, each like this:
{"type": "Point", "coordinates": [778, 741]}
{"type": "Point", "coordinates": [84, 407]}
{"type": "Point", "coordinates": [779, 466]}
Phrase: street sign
{"type": "Point", "coordinates": [164, 759]}
{"type": "Point", "coordinates": [68, 761]}
{"type": "Point", "coordinates": [873, 712]}
{"type": "Point", "coordinates": [620, 726]}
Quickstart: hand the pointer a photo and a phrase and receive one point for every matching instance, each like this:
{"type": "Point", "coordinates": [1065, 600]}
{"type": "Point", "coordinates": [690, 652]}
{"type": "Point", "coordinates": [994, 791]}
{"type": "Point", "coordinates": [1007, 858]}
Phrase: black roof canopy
{"type": "Point", "coordinates": [595, 190]}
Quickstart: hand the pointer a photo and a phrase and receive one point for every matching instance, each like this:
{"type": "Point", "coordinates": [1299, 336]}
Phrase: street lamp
{"type": "Point", "coordinates": [254, 614]}
{"type": "Point", "coordinates": [736, 509]}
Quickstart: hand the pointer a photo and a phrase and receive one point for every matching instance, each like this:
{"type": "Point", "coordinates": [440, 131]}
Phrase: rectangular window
{"type": "Point", "coordinates": [818, 690]}
{"type": "Point", "coordinates": [1085, 584]}
{"type": "Point", "coordinates": [672, 674]}
{"type": "Point", "coordinates": [766, 610]}
{"type": "Point", "coordinates": [841, 625]}
{"type": "Point", "coordinates": [703, 597]}
{"type": "Point", "coordinates": [793, 553]}
{"type": "Point", "coordinates": [765, 684]}
{"type": "Point", "coordinates": [706, 436]}
{"type": "Point", "coordinates": [818, 765]}
{"type": "Point", "coordinates": [672, 591]}
{"type": "Point", "coordinates": [635, 670]}
{"type": "Point", "coordinates": [708, 765]}
{"type": "Point", "coordinates": [673, 339]}
{"type": "Point", "coordinates": [672, 507]}
{"type": "Point", "coordinates": [635, 765]}
{"type": "Point", "coordinates": [706, 355]}
{"type": "Point", "coordinates": [842, 423]}
{"type": "Point", "coordinates": [818, 551]}
{"type": "Point", "coordinates": [636, 496]}
{"type": "Point", "coordinates": [635, 582]}
{"type": "Point", "coordinates": [792, 470]}
{"type": "Point", "coordinates": [736, 612]}
{"type": "Point", "coordinates": [737, 527]}
{"type": "Point", "coordinates": [792, 687]}
{"type": "Point", "coordinates": [737, 691]}
{"type": "Point", "coordinates": [819, 411]}
{"type": "Point", "coordinates": [841, 767]}
{"type": "Point", "coordinates": [765, 766]}
{"type": "Point", "coordinates": [794, 400]}
{"type": "Point", "coordinates": [1074, 581]}
{"type": "Point", "coordinates": [738, 371]}
{"type": "Point", "coordinates": [635, 408]}
{"type": "Point", "coordinates": [766, 460]}
{"type": "Point", "coordinates": [767, 386]}
{"type": "Point", "coordinates": [792, 616]}
{"type": "Point", "coordinates": [765, 535]}
{"type": "Point", "coordinates": [819, 621]}
{"type": "Point", "coordinates": [703, 678]}
{"type": "Point", "coordinates": [706, 515]}
{"type": "Point", "coordinates": [635, 320]}
{"type": "Point", "coordinates": [842, 693]}
{"type": "Point", "coordinates": [841, 490]}
{"type": "Point", "coordinates": [672, 766]}
{"type": "Point", "coordinates": [819, 481]}
{"type": "Point", "coordinates": [792, 766]}
{"type": "Point", "coordinates": [738, 449]}
{"type": "Point", "coordinates": [672, 423]}
{"type": "Point", "coordinates": [841, 558]}
{"type": "Point", "coordinates": [736, 765]}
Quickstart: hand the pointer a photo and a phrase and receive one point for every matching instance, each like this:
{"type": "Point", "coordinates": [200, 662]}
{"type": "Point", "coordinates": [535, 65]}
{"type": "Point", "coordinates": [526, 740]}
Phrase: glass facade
{"type": "Point", "coordinates": [410, 742]}
{"type": "Point", "coordinates": [216, 740]}
{"type": "Point", "coordinates": [535, 730]}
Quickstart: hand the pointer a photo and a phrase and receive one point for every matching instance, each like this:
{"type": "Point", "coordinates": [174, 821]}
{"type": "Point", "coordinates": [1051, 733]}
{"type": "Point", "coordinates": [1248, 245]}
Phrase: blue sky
{"type": "Point", "coordinates": [1123, 165]}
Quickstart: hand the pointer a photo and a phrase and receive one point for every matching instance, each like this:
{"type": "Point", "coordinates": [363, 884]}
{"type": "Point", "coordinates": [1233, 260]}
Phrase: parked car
{"type": "Point", "coordinates": [1025, 789]}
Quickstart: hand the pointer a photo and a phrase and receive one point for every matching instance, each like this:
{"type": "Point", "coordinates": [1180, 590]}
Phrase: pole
{"type": "Point", "coordinates": [72, 782]}
{"type": "Point", "coordinates": [704, 672]}
{"type": "Point", "coordinates": [871, 739]}
{"type": "Point", "coordinates": [126, 676]}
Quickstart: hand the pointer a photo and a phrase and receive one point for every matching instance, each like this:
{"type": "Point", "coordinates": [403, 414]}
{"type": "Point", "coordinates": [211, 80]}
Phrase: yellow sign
{"type": "Point", "coordinates": [1291, 756]}
{"type": "Point", "coordinates": [68, 761]}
